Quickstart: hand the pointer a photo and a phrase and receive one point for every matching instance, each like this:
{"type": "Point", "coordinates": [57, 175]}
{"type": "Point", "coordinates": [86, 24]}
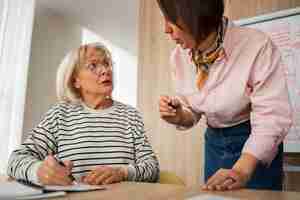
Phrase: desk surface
{"type": "Point", "coordinates": [150, 191]}
{"type": "Point", "coordinates": [245, 194]}
{"type": "Point", "coordinates": [131, 191]}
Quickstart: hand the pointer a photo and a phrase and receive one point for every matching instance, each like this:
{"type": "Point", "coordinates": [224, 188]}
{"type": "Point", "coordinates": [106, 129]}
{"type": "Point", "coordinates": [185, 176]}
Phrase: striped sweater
{"type": "Point", "coordinates": [114, 136]}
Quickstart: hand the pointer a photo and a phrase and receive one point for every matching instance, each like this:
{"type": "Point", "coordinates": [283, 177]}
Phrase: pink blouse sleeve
{"type": "Point", "coordinates": [271, 115]}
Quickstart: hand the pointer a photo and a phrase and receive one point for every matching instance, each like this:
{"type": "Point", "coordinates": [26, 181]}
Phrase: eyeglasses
{"type": "Point", "coordinates": [98, 68]}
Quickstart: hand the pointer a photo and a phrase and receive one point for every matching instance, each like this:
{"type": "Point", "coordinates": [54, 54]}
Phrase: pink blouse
{"type": "Point", "coordinates": [248, 83]}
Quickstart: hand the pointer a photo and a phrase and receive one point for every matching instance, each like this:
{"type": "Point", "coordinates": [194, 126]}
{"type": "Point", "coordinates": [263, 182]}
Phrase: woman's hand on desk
{"type": "Point", "coordinates": [235, 178]}
{"type": "Point", "coordinates": [52, 173]}
{"type": "Point", "coordinates": [105, 175]}
{"type": "Point", "coordinates": [226, 179]}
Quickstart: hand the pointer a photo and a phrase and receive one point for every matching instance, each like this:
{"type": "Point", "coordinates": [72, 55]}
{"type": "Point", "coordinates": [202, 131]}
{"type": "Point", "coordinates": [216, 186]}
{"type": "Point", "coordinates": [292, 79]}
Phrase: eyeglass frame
{"type": "Point", "coordinates": [93, 67]}
{"type": "Point", "coordinates": [101, 66]}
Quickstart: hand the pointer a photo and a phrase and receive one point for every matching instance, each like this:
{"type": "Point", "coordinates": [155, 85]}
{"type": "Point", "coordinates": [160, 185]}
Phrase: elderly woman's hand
{"type": "Point", "coordinates": [226, 179]}
{"type": "Point", "coordinates": [51, 172]}
{"type": "Point", "coordinates": [105, 175]}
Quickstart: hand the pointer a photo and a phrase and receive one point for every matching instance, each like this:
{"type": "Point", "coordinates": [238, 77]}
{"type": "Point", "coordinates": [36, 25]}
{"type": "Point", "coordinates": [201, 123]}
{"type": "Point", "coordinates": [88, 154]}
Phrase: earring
{"type": "Point", "coordinates": [77, 85]}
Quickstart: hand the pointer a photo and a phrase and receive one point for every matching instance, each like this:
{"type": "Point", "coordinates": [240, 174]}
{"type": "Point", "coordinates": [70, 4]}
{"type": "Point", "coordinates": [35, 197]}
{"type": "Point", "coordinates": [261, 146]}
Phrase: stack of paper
{"type": "Point", "coordinates": [13, 189]}
{"type": "Point", "coordinates": [78, 187]}
{"type": "Point", "coordinates": [20, 190]}
{"type": "Point", "coordinates": [210, 197]}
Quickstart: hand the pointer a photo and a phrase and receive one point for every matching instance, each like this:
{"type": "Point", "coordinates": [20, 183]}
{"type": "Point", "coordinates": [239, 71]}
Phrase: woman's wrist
{"type": "Point", "coordinates": [123, 172]}
{"type": "Point", "coordinates": [246, 165]}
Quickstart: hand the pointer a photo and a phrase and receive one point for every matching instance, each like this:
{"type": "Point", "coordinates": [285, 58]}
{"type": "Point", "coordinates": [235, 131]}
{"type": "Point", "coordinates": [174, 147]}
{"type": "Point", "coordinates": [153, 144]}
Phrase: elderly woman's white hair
{"type": "Point", "coordinates": [65, 89]}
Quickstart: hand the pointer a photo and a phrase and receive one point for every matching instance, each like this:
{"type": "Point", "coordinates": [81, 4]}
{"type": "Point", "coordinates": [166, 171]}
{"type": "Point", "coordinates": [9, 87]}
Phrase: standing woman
{"type": "Point", "coordinates": [241, 91]}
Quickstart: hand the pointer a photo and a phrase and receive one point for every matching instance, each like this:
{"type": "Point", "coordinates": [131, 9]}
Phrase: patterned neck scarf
{"type": "Point", "coordinates": [203, 60]}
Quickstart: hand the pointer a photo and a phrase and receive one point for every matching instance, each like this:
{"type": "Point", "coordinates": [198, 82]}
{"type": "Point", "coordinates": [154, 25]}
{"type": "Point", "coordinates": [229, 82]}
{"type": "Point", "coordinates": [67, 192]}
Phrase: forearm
{"type": "Point", "coordinates": [147, 171]}
{"type": "Point", "coordinates": [246, 165]}
{"type": "Point", "coordinates": [23, 167]}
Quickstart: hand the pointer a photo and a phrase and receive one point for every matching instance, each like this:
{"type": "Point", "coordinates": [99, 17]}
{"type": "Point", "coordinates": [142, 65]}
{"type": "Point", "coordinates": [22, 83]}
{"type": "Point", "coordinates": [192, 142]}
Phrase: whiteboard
{"type": "Point", "coordinates": [284, 29]}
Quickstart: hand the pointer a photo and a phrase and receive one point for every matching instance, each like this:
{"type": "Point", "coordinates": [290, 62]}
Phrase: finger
{"type": "Point", "coordinates": [92, 176]}
{"type": "Point", "coordinates": [55, 173]}
{"type": "Point", "coordinates": [216, 184]}
{"type": "Point", "coordinates": [166, 106]}
{"type": "Point", "coordinates": [52, 162]}
{"type": "Point", "coordinates": [212, 178]}
{"type": "Point", "coordinates": [215, 181]}
{"type": "Point", "coordinates": [101, 179]}
{"type": "Point", "coordinates": [111, 179]}
{"type": "Point", "coordinates": [204, 187]}
{"type": "Point", "coordinates": [235, 185]}
{"type": "Point", "coordinates": [167, 114]}
{"type": "Point", "coordinates": [85, 178]}
{"type": "Point", "coordinates": [82, 178]}
{"type": "Point", "coordinates": [51, 178]}
{"type": "Point", "coordinates": [165, 101]}
{"type": "Point", "coordinates": [168, 109]}
{"type": "Point", "coordinates": [68, 164]}
{"type": "Point", "coordinates": [175, 102]}
{"type": "Point", "coordinates": [165, 98]}
{"type": "Point", "coordinates": [226, 184]}
{"type": "Point", "coordinates": [58, 179]}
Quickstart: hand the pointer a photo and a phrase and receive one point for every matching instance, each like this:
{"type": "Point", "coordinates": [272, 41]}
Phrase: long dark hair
{"type": "Point", "coordinates": [200, 17]}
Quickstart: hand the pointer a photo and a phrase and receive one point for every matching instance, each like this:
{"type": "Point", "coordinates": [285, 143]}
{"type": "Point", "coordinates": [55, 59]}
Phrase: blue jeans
{"type": "Point", "coordinates": [223, 148]}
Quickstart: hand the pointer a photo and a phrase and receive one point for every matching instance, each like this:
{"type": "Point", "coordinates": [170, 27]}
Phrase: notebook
{"type": "Point", "coordinates": [41, 196]}
{"type": "Point", "coordinates": [25, 190]}
{"type": "Point", "coordinates": [13, 190]}
{"type": "Point", "coordinates": [77, 187]}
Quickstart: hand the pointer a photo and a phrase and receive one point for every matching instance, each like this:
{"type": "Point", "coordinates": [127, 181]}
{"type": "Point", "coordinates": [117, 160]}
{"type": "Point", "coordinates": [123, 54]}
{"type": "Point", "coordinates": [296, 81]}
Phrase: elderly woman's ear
{"type": "Point", "coordinates": [76, 83]}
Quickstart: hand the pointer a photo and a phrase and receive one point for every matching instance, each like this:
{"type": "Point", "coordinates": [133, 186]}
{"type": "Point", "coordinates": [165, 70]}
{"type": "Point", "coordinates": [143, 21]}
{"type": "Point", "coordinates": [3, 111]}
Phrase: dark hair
{"type": "Point", "coordinates": [199, 17]}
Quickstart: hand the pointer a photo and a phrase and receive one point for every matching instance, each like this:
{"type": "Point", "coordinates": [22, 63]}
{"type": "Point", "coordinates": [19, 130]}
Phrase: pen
{"type": "Point", "coordinates": [172, 105]}
{"type": "Point", "coordinates": [63, 164]}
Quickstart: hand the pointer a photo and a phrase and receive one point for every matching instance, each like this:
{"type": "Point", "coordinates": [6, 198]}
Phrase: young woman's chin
{"type": "Point", "coordinates": [185, 46]}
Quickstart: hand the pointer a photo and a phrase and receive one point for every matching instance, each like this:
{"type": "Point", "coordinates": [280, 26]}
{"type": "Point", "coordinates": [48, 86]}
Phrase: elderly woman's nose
{"type": "Point", "coordinates": [102, 71]}
{"type": "Point", "coordinates": [98, 70]}
{"type": "Point", "coordinates": [105, 70]}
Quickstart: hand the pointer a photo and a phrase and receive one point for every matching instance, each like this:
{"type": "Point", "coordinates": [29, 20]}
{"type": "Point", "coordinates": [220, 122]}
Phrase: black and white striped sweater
{"type": "Point", "coordinates": [114, 136]}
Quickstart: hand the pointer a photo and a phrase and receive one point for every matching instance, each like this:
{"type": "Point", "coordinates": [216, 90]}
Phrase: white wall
{"type": "Point", "coordinates": [1, 8]}
{"type": "Point", "coordinates": [52, 38]}
{"type": "Point", "coordinates": [16, 23]}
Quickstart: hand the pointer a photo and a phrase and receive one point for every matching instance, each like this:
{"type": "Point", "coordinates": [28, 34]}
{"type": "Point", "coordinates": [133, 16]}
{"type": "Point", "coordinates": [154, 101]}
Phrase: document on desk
{"type": "Point", "coordinates": [210, 197]}
{"type": "Point", "coordinates": [20, 190]}
{"type": "Point", "coordinates": [13, 190]}
{"type": "Point", "coordinates": [41, 196]}
{"type": "Point", "coordinates": [78, 187]}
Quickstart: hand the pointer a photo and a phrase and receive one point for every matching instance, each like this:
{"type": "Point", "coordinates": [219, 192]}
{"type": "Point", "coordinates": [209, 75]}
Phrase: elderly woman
{"type": "Point", "coordinates": [99, 140]}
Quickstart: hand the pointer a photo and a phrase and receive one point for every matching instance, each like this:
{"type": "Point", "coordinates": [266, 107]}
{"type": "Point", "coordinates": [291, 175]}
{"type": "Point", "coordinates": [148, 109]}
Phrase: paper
{"type": "Point", "coordinates": [22, 191]}
{"type": "Point", "coordinates": [13, 189]}
{"type": "Point", "coordinates": [42, 196]}
{"type": "Point", "coordinates": [78, 187]}
{"type": "Point", "coordinates": [210, 197]}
